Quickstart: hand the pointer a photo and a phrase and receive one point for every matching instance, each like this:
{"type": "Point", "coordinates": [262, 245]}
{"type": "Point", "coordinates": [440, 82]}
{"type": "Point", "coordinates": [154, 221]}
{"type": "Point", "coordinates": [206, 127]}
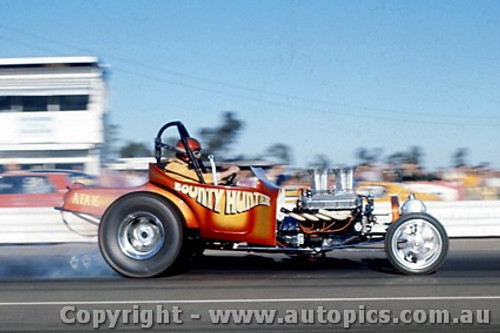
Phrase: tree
{"type": "Point", "coordinates": [280, 151]}
{"type": "Point", "coordinates": [135, 149]}
{"type": "Point", "coordinates": [412, 156]}
{"type": "Point", "coordinates": [368, 156]}
{"type": "Point", "coordinates": [219, 139]}
{"type": "Point", "coordinates": [396, 158]}
{"type": "Point", "coordinates": [320, 162]}
{"type": "Point", "coordinates": [459, 157]}
{"type": "Point", "coordinates": [111, 138]}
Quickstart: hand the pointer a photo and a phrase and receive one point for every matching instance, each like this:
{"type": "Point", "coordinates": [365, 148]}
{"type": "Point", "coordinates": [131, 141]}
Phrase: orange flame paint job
{"type": "Point", "coordinates": [230, 213]}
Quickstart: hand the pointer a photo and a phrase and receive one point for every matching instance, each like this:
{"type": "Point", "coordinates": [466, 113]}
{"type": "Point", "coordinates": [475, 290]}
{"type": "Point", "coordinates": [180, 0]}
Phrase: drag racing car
{"type": "Point", "coordinates": [154, 228]}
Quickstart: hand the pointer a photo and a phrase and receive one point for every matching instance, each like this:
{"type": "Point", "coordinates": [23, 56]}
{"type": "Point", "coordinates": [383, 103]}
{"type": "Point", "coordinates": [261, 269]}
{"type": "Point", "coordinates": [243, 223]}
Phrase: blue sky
{"type": "Point", "coordinates": [324, 77]}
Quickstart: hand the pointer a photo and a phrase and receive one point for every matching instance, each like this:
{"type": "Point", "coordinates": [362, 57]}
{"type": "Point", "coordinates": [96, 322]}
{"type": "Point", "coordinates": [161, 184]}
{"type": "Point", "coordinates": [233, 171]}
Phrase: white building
{"type": "Point", "coordinates": [52, 113]}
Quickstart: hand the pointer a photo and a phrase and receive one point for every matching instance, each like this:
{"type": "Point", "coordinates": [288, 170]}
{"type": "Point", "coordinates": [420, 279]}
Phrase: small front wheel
{"type": "Point", "coordinates": [416, 244]}
{"type": "Point", "coordinates": [141, 236]}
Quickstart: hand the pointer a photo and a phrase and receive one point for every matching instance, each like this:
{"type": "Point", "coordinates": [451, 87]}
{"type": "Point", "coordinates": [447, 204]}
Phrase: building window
{"type": "Point", "coordinates": [44, 103]}
{"type": "Point", "coordinates": [73, 102]}
{"type": "Point", "coordinates": [25, 185]}
{"type": "Point", "coordinates": [43, 154]}
{"type": "Point", "coordinates": [34, 103]}
{"type": "Point", "coordinates": [4, 103]}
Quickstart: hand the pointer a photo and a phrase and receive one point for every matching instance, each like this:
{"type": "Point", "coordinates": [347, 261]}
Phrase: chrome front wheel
{"type": "Point", "coordinates": [416, 244]}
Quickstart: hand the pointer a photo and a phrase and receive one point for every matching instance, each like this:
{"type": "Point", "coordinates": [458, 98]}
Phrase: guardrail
{"type": "Point", "coordinates": [38, 225]}
{"type": "Point", "coordinates": [460, 218]}
{"type": "Point", "coordinates": [45, 225]}
{"type": "Point", "coordinates": [468, 218]}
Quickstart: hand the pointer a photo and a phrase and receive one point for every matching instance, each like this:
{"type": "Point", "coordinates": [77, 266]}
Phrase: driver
{"type": "Point", "coordinates": [181, 167]}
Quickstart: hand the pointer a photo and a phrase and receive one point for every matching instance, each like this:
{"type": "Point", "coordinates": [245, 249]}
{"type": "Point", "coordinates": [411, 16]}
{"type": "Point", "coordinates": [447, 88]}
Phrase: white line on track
{"type": "Point", "coordinates": [257, 300]}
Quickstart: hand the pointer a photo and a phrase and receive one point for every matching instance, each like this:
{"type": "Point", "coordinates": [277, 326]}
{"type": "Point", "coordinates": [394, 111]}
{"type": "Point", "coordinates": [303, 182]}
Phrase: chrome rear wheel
{"type": "Point", "coordinates": [141, 236]}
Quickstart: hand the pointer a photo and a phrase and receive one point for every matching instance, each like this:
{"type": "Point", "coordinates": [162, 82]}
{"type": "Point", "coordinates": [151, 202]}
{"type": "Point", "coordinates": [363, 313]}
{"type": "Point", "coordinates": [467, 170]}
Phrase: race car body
{"type": "Point", "coordinates": [24, 189]}
{"type": "Point", "coordinates": [27, 216]}
{"type": "Point", "coordinates": [218, 212]}
{"type": "Point", "coordinates": [383, 191]}
{"type": "Point", "coordinates": [154, 228]}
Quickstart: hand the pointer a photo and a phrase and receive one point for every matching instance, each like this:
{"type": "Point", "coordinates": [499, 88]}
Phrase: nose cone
{"type": "Point", "coordinates": [413, 205]}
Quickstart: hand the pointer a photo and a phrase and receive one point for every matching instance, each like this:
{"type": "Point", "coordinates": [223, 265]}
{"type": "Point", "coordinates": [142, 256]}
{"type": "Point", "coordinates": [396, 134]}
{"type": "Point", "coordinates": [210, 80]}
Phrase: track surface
{"type": "Point", "coordinates": [37, 282]}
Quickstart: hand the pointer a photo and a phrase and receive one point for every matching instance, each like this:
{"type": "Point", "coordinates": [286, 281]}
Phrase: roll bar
{"type": "Point", "coordinates": [184, 135]}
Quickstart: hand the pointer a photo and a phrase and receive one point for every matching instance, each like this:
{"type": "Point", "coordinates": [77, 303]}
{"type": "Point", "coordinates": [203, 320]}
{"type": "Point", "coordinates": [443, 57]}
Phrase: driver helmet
{"type": "Point", "coordinates": [193, 144]}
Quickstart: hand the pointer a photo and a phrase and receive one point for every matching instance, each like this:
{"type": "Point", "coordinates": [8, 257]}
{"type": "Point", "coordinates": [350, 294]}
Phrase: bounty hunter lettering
{"type": "Point", "coordinates": [229, 201]}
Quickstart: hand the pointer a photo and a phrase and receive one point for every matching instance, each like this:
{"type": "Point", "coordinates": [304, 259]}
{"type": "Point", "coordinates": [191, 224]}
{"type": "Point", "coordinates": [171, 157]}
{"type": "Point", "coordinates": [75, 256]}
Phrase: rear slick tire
{"type": "Point", "coordinates": [141, 236]}
{"type": "Point", "coordinates": [416, 244]}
